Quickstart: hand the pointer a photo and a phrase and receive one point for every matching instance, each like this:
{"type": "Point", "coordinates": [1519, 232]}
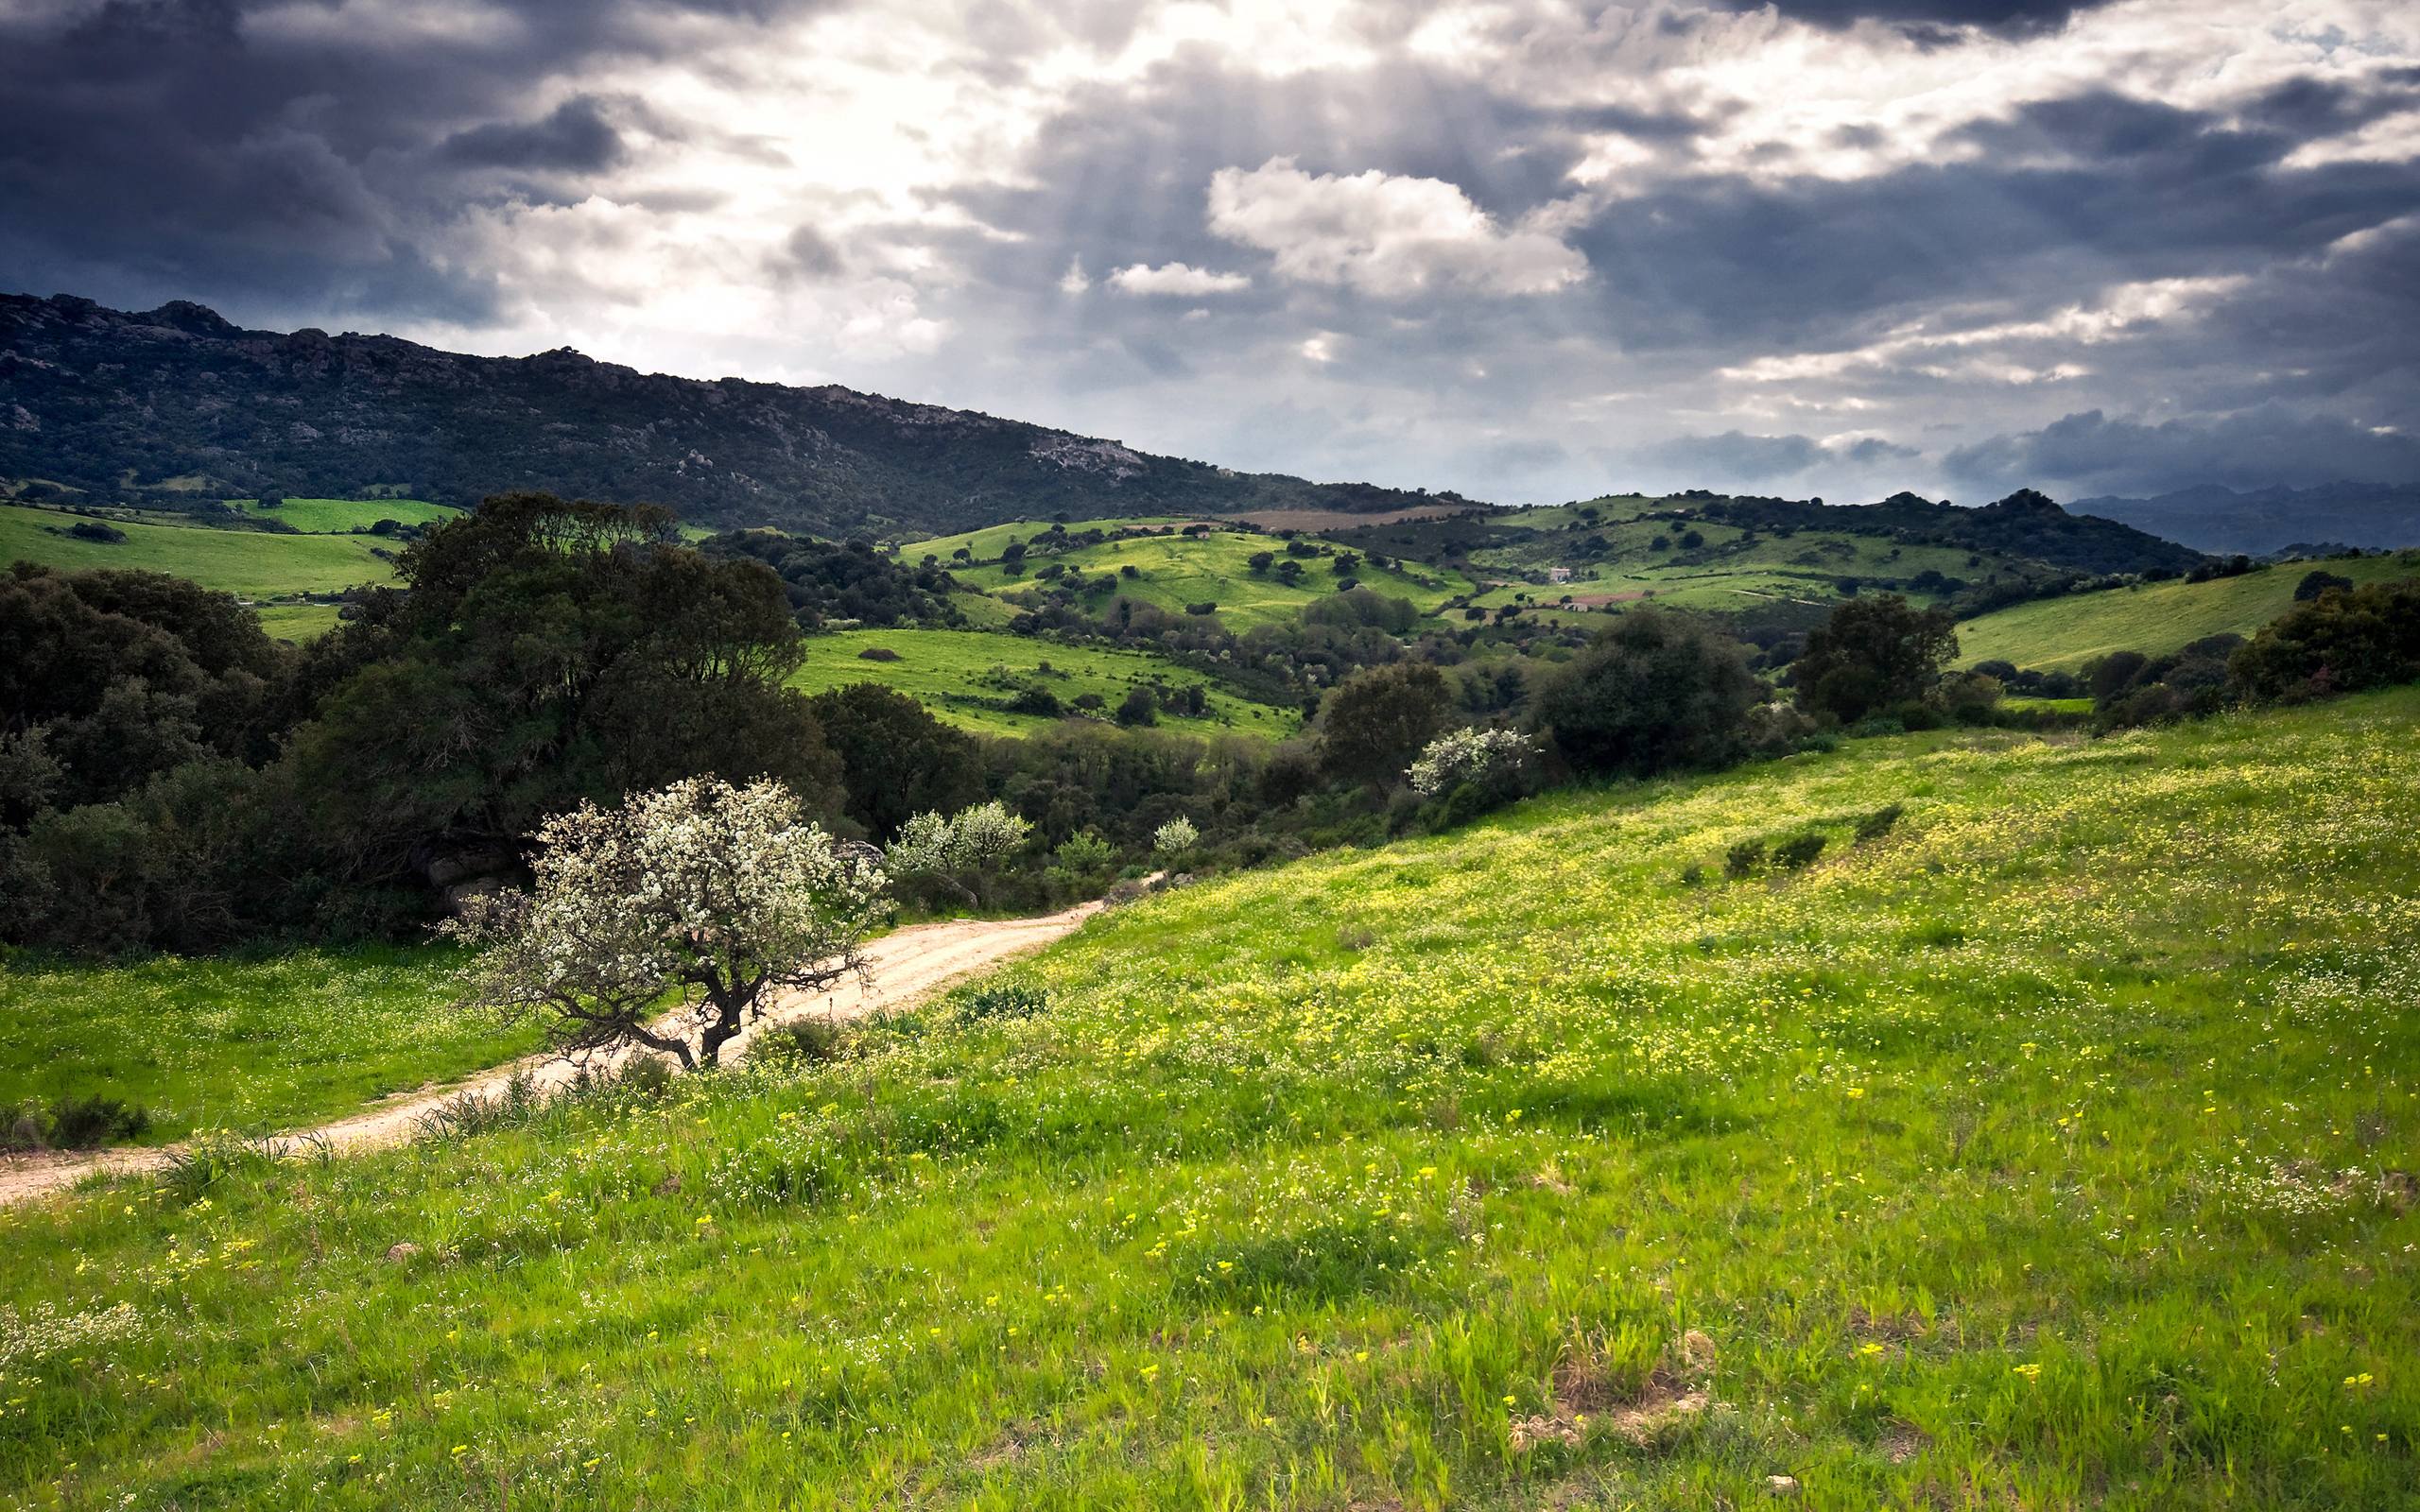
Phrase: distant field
{"type": "Point", "coordinates": [945, 670]}
{"type": "Point", "coordinates": [297, 621]}
{"type": "Point", "coordinates": [1177, 571]}
{"type": "Point", "coordinates": [2064, 634]}
{"type": "Point", "coordinates": [336, 516]}
{"type": "Point", "coordinates": [248, 563]}
{"type": "Point", "coordinates": [263, 1044]}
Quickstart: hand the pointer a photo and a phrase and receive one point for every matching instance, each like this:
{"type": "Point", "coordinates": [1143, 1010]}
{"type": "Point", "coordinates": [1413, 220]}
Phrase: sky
{"type": "Point", "coordinates": [1528, 251]}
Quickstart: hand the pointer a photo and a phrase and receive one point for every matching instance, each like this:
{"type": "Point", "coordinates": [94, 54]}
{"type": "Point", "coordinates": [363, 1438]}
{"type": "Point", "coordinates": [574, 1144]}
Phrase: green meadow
{"type": "Point", "coordinates": [965, 677]}
{"type": "Point", "coordinates": [337, 516]}
{"type": "Point", "coordinates": [2046, 1140]}
{"type": "Point", "coordinates": [2066, 634]}
{"type": "Point", "coordinates": [298, 623]}
{"type": "Point", "coordinates": [248, 563]}
{"type": "Point", "coordinates": [251, 1044]}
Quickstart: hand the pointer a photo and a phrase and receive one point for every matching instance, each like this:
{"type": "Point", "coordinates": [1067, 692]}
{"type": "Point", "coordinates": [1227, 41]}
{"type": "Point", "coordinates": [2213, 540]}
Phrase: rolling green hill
{"type": "Point", "coordinates": [2067, 633]}
{"type": "Point", "coordinates": [2051, 1148]}
{"type": "Point", "coordinates": [1765, 561]}
{"type": "Point", "coordinates": [987, 544]}
{"type": "Point", "coordinates": [249, 563]}
{"type": "Point", "coordinates": [1176, 571]}
{"type": "Point", "coordinates": [968, 676]}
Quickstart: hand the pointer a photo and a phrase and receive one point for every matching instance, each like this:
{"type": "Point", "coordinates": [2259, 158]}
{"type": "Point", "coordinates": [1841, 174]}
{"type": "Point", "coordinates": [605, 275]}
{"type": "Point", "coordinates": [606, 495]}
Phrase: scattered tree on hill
{"type": "Point", "coordinates": [2317, 581]}
{"type": "Point", "coordinates": [1259, 561]}
{"type": "Point", "coordinates": [1872, 654]}
{"type": "Point", "coordinates": [1498, 762]}
{"type": "Point", "coordinates": [717, 893]}
{"type": "Point", "coordinates": [1173, 841]}
{"type": "Point", "coordinates": [960, 851]}
{"type": "Point", "coordinates": [1138, 708]}
{"type": "Point", "coordinates": [1374, 722]}
{"type": "Point", "coordinates": [1657, 690]}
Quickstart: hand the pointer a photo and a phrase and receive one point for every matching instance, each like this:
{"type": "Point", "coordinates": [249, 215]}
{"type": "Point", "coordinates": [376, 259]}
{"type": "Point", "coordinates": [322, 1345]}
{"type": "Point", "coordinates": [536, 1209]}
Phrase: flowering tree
{"type": "Point", "coordinates": [1497, 760]}
{"type": "Point", "coordinates": [1173, 839]}
{"type": "Point", "coordinates": [952, 851]}
{"type": "Point", "coordinates": [719, 894]}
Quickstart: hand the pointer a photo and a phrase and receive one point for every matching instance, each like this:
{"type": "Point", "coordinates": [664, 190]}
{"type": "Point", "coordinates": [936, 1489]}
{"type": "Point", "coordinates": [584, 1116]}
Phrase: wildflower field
{"type": "Point", "coordinates": [247, 1044]}
{"type": "Point", "coordinates": [2040, 1137]}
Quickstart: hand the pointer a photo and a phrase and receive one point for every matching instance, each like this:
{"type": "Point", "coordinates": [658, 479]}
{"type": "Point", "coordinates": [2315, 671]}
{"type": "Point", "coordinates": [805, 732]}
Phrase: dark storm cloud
{"type": "Point", "coordinates": [2004, 16]}
{"type": "Point", "coordinates": [2072, 196]}
{"type": "Point", "coordinates": [204, 147]}
{"type": "Point", "coordinates": [574, 137]}
{"type": "Point", "coordinates": [2090, 453]}
{"type": "Point", "coordinates": [1873, 449]}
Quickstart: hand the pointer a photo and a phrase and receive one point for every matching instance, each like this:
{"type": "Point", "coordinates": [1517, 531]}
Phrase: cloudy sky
{"type": "Point", "coordinates": [1528, 251]}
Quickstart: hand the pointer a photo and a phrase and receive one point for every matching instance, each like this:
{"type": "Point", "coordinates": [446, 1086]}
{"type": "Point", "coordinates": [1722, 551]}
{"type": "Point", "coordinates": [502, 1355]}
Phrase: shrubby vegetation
{"type": "Point", "coordinates": [835, 584]}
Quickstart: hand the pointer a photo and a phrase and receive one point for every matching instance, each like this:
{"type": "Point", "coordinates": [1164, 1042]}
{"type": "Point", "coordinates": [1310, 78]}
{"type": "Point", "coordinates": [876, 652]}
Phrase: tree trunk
{"type": "Point", "coordinates": [724, 1029]}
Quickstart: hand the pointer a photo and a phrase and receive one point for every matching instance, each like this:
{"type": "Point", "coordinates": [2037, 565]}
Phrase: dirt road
{"type": "Point", "coordinates": [901, 967]}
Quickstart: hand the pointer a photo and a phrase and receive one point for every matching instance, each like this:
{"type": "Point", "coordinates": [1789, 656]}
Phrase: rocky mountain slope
{"type": "Point", "coordinates": [111, 405]}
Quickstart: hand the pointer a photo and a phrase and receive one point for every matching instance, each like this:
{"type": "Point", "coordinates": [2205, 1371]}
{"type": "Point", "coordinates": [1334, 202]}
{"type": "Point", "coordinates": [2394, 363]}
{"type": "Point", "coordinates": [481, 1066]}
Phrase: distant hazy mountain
{"type": "Point", "coordinates": [118, 405]}
{"type": "Point", "coordinates": [2217, 519]}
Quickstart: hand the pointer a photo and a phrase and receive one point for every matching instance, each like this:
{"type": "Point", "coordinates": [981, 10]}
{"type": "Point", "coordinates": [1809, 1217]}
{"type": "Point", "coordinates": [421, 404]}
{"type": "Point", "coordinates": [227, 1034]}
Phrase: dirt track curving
{"type": "Point", "coordinates": [901, 967]}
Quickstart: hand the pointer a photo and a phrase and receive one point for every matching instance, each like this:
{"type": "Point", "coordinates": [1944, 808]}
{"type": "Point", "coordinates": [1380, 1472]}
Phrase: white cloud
{"type": "Point", "coordinates": [1074, 280]}
{"type": "Point", "coordinates": [1176, 277]}
{"type": "Point", "coordinates": [1383, 233]}
{"type": "Point", "coordinates": [2127, 310]}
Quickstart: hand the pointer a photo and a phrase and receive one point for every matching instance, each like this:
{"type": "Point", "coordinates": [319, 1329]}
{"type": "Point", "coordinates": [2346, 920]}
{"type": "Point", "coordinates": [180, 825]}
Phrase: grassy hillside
{"type": "Point", "coordinates": [2050, 1149]}
{"type": "Point", "coordinates": [265, 1044]}
{"type": "Point", "coordinates": [954, 673]}
{"type": "Point", "coordinates": [987, 544]}
{"type": "Point", "coordinates": [1177, 571]}
{"type": "Point", "coordinates": [1613, 556]}
{"type": "Point", "coordinates": [249, 564]}
{"type": "Point", "coordinates": [2063, 634]}
{"type": "Point", "coordinates": [336, 516]}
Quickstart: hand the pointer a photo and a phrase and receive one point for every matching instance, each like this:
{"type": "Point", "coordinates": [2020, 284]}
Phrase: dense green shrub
{"type": "Point", "coordinates": [1374, 723]}
{"type": "Point", "coordinates": [1000, 1001]}
{"type": "Point", "coordinates": [1874, 653]}
{"type": "Point", "coordinates": [1654, 692]}
{"type": "Point", "coordinates": [1799, 850]}
{"type": "Point", "coordinates": [72, 1121]}
{"type": "Point", "coordinates": [2337, 642]}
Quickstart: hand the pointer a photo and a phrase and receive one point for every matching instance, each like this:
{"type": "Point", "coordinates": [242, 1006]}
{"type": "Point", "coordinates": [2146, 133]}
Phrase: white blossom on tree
{"type": "Point", "coordinates": [1493, 757]}
{"type": "Point", "coordinates": [957, 850]}
{"type": "Point", "coordinates": [1175, 838]}
{"type": "Point", "coordinates": [719, 894]}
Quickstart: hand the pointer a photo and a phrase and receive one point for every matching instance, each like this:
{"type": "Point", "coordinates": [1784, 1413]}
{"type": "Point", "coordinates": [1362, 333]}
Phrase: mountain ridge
{"type": "Point", "coordinates": [2260, 520]}
{"type": "Point", "coordinates": [179, 398]}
